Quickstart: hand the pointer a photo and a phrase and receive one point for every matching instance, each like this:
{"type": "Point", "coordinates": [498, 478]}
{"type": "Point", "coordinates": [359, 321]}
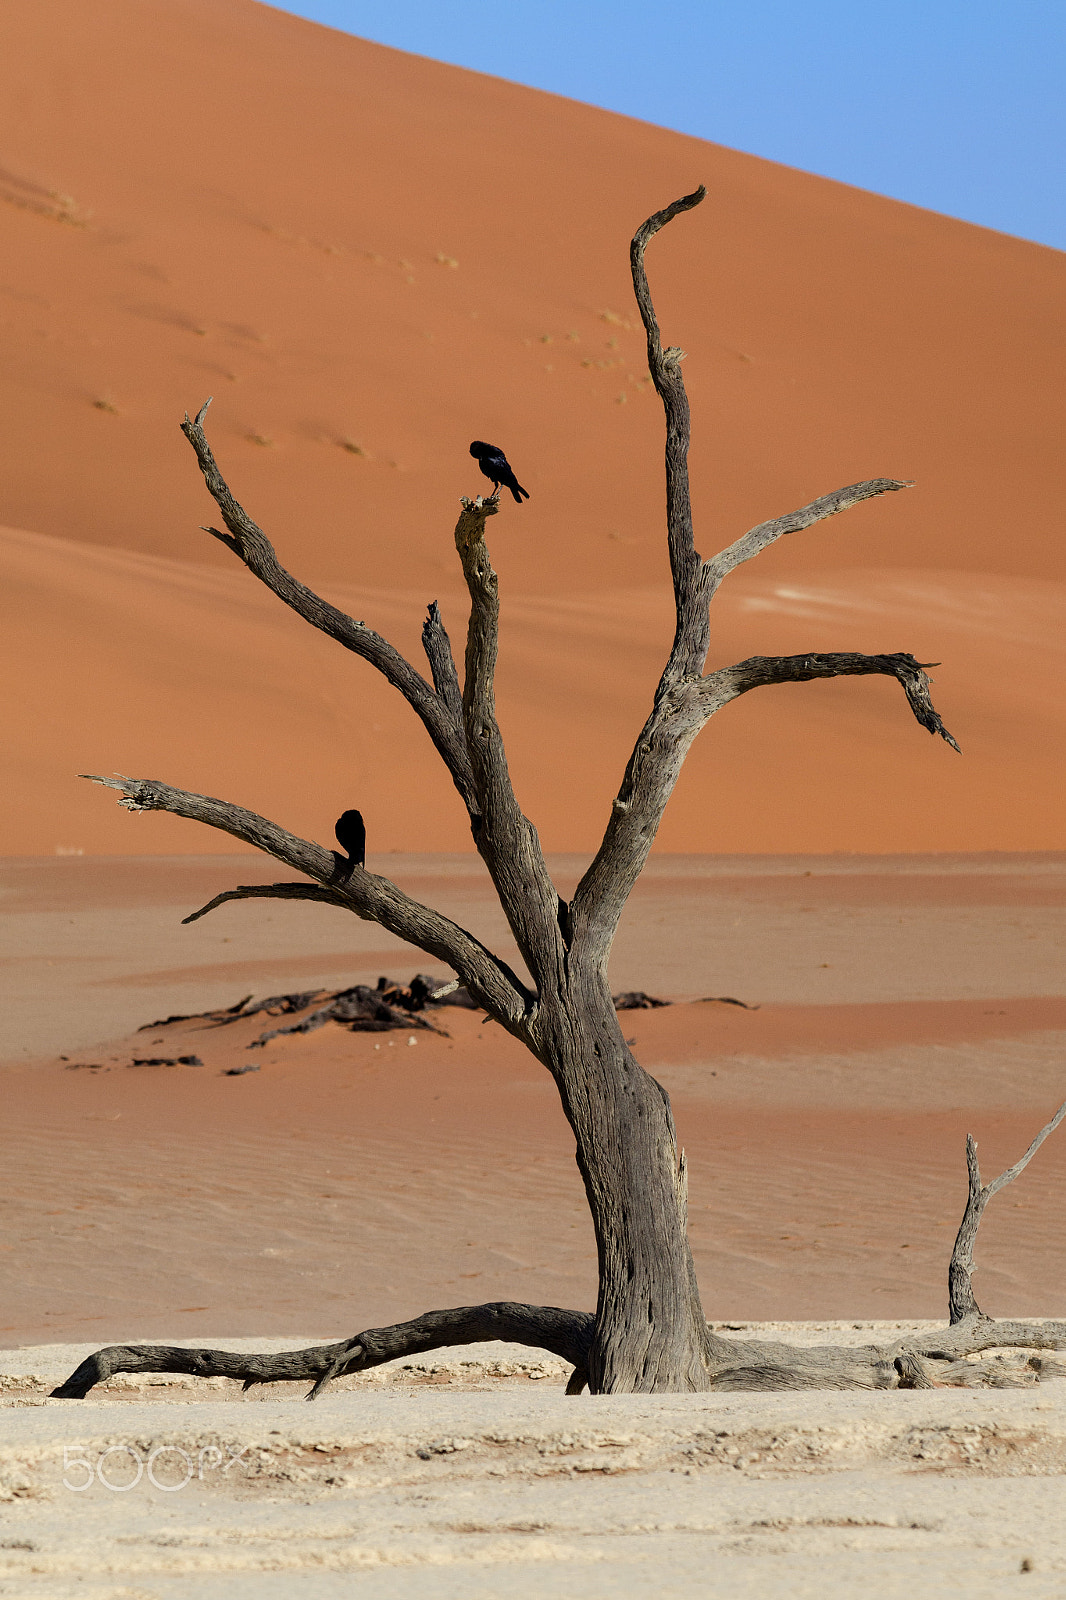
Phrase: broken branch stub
{"type": "Point", "coordinates": [390, 1006]}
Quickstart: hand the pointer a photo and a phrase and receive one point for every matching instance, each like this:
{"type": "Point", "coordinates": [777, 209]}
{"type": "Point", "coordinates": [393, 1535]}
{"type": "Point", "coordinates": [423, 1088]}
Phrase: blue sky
{"type": "Point", "coordinates": [960, 107]}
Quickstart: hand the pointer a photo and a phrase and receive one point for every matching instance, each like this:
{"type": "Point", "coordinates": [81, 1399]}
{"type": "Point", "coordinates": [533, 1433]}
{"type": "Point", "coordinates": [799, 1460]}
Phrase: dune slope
{"type": "Point", "coordinates": [368, 259]}
{"type": "Point", "coordinates": [155, 667]}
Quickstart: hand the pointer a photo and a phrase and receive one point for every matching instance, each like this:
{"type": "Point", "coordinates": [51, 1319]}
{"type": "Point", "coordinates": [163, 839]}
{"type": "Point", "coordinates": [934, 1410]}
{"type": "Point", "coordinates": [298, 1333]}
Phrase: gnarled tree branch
{"type": "Point", "coordinates": [728, 682]}
{"type": "Point", "coordinates": [250, 543]}
{"type": "Point", "coordinates": [684, 701]}
{"type": "Point", "coordinates": [374, 899]}
{"type": "Point", "coordinates": [565, 1333]}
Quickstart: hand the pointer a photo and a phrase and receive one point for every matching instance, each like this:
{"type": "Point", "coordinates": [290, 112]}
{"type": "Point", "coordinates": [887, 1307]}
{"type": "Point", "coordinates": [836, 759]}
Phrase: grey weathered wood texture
{"type": "Point", "coordinates": [961, 1302]}
{"type": "Point", "coordinates": [566, 1333]}
{"type": "Point", "coordinates": [649, 1332]}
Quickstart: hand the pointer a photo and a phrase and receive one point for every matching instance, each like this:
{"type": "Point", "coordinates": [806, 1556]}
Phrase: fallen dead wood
{"type": "Point", "coordinates": [166, 1061]}
{"type": "Point", "coordinates": [194, 1016]}
{"type": "Point", "coordinates": [390, 1005]}
{"type": "Point", "coordinates": [359, 1009]}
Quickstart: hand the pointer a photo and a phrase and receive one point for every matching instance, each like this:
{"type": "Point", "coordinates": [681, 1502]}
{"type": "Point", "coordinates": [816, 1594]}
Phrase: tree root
{"type": "Point", "coordinates": [929, 1361]}
{"type": "Point", "coordinates": [565, 1333]}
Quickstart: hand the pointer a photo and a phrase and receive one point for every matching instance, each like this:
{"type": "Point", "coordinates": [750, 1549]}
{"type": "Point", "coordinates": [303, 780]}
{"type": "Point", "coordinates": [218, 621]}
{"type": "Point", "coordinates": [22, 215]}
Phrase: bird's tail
{"type": "Point", "coordinates": [517, 490]}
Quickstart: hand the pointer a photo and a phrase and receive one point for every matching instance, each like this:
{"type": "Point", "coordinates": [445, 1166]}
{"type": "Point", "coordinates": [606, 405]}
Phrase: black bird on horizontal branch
{"type": "Point", "coordinates": [351, 836]}
{"type": "Point", "coordinates": [493, 463]}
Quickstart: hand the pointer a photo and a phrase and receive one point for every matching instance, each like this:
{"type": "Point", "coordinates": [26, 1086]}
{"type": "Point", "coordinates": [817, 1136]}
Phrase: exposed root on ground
{"type": "Point", "coordinates": [937, 1360]}
{"type": "Point", "coordinates": [566, 1333]}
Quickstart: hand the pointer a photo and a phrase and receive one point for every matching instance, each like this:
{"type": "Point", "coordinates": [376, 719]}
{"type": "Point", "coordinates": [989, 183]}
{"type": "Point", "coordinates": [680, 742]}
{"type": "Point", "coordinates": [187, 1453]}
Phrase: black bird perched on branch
{"type": "Point", "coordinates": [351, 836]}
{"type": "Point", "coordinates": [493, 463]}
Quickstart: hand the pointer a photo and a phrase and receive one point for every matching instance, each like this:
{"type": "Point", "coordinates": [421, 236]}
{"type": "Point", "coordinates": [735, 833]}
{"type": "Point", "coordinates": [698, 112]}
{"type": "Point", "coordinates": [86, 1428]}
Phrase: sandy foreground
{"type": "Point", "coordinates": [358, 1179]}
{"type": "Point", "coordinates": [456, 1477]}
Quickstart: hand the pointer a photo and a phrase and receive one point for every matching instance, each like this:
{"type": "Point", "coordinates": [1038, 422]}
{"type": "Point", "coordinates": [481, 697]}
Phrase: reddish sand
{"type": "Point", "coordinates": [348, 246]}
{"type": "Point", "coordinates": [356, 1179]}
{"type": "Point", "coordinates": [90, 947]}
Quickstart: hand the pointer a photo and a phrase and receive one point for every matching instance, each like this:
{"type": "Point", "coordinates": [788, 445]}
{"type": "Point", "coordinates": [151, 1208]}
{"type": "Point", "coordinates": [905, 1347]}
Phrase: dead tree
{"type": "Point", "coordinates": [649, 1333]}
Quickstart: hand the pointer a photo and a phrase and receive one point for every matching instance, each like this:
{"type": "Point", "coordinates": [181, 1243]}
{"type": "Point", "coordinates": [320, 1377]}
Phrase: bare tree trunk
{"type": "Point", "coordinates": [650, 1333]}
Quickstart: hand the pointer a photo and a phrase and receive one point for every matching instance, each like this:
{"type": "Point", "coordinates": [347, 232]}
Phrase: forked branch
{"type": "Point", "coordinates": [250, 543]}
{"type": "Point", "coordinates": [961, 1302]}
{"type": "Point", "coordinates": [684, 700]}
{"type": "Point", "coordinates": [490, 980]}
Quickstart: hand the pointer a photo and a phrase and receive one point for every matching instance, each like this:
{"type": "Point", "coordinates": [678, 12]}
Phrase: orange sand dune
{"type": "Point", "coordinates": [368, 259]}
{"type": "Point", "coordinates": [161, 668]}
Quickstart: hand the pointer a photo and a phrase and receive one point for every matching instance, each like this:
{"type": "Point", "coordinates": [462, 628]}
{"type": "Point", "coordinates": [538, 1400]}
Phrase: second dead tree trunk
{"type": "Point", "coordinates": [649, 1333]}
